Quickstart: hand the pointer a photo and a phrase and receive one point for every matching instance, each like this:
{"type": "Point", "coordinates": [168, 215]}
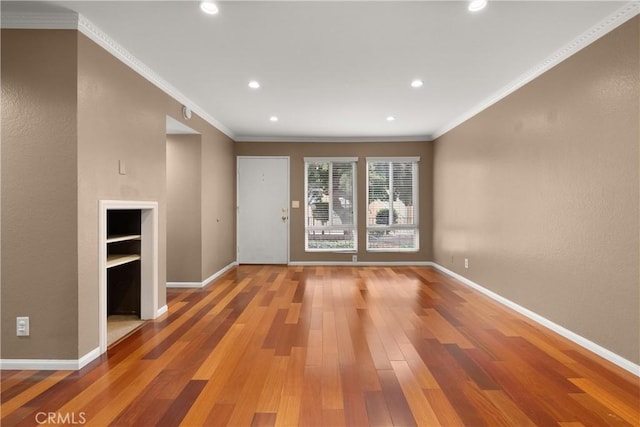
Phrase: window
{"type": "Point", "coordinates": [392, 203]}
{"type": "Point", "coordinates": [330, 186]}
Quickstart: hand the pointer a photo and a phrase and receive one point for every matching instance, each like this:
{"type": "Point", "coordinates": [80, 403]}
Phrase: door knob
{"type": "Point", "coordinates": [284, 218]}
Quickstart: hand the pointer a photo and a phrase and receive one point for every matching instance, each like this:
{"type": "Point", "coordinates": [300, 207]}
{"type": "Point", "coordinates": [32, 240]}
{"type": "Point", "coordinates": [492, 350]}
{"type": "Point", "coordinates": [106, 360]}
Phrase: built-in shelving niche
{"type": "Point", "coordinates": [123, 272]}
{"type": "Point", "coordinates": [129, 263]}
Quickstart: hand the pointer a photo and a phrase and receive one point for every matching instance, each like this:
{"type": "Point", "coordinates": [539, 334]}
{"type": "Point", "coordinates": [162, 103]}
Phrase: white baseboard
{"type": "Point", "coordinates": [184, 284]}
{"type": "Point", "coordinates": [205, 282]}
{"type": "Point", "coordinates": [572, 336]}
{"type": "Point", "coordinates": [49, 364]}
{"type": "Point", "coordinates": [358, 263]}
{"type": "Point", "coordinates": [162, 310]}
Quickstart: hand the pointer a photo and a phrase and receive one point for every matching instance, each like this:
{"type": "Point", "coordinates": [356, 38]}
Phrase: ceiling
{"type": "Point", "coordinates": [335, 70]}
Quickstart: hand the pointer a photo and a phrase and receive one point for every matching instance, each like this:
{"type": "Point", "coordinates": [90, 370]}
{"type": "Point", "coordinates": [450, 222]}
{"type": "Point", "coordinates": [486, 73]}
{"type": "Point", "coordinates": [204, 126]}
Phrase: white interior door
{"type": "Point", "coordinates": [263, 210]}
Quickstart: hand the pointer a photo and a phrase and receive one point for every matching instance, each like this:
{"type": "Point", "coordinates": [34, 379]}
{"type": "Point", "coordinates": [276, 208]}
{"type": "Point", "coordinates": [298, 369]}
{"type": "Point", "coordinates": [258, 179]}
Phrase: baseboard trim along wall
{"type": "Point", "coordinates": [571, 336]}
{"type": "Point", "coordinates": [566, 333]}
{"type": "Point", "coordinates": [205, 282]}
{"type": "Point", "coordinates": [57, 364]}
{"type": "Point", "coordinates": [360, 263]}
{"type": "Point", "coordinates": [162, 310]}
{"type": "Point", "coordinates": [49, 364]}
{"type": "Point", "coordinates": [46, 364]}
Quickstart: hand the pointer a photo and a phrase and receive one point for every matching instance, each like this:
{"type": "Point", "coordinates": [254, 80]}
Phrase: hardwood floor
{"type": "Point", "coordinates": [332, 346]}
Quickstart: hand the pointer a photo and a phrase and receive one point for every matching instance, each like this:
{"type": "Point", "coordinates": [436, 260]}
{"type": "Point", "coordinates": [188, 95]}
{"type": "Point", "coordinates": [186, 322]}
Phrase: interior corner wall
{"type": "Point", "coordinates": [541, 193]}
{"type": "Point", "coordinates": [217, 197]}
{"type": "Point", "coordinates": [39, 184]}
{"type": "Point", "coordinates": [184, 208]}
{"type": "Point", "coordinates": [70, 112]}
{"type": "Point", "coordinates": [121, 118]}
{"type": "Point", "coordinates": [297, 151]}
{"type": "Point", "coordinates": [218, 200]}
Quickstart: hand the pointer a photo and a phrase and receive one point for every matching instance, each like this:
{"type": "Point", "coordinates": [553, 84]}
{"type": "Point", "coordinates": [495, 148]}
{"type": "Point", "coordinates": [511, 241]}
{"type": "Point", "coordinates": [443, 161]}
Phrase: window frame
{"type": "Point", "coordinates": [415, 199]}
{"type": "Point", "coordinates": [353, 227]}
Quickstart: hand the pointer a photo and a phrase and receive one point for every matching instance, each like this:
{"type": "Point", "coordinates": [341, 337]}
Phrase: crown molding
{"type": "Point", "coordinates": [617, 18]}
{"type": "Point", "coordinates": [39, 21]}
{"type": "Point", "coordinates": [94, 33]}
{"type": "Point", "coordinates": [335, 139]}
{"type": "Point", "coordinates": [12, 20]}
{"type": "Point", "coordinates": [74, 21]}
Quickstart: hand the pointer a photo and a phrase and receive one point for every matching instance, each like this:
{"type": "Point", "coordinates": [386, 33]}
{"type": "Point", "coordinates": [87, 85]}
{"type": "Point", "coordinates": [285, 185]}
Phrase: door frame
{"type": "Point", "coordinates": [288, 193]}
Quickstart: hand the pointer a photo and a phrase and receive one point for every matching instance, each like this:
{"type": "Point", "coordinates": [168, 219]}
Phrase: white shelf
{"type": "Point", "coordinates": [123, 238]}
{"type": "Point", "coordinates": [119, 259]}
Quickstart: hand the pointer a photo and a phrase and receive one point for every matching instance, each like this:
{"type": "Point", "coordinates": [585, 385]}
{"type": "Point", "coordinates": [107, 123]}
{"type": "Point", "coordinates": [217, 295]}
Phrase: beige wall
{"type": "Point", "coordinates": [297, 153]}
{"type": "Point", "coordinates": [70, 112]}
{"type": "Point", "coordinates": [39, 184]}
{"type": "Point", "coordinates": [121, 116]}
{"type": "Point", "coordinates": [540, 192]}
{"type": "Point", "coordinates": [184, 208]}
{"type": "Point", "coordinates": [218, 201]}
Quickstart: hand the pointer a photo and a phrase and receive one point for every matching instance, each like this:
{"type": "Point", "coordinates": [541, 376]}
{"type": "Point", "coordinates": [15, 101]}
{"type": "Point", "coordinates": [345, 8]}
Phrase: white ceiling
{"type": "Point", "coordinates": [333, 70]}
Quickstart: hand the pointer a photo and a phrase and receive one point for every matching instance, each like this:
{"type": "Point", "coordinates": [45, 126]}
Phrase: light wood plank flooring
{"type": "Point", "coordinates": [332, 346]}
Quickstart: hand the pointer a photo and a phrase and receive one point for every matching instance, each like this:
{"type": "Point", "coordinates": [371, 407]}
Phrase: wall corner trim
{"type": "Point", "coordinates": [103, 40]}
{"type": "Point", "coordinates": [566, 333]}
{"type": "Point", "coordinates": [205, 282]}
{"type": "Point", "coordinates": [162, 310]}
{"type": "Point", "coordinates": [40, 21]}
{"type": "Point", "coordinates": [361, 263]}
{"type": "Point", "coordinates": [49, 364]}
{"type": "Point", "coordinates": [75, 21]}
{"type": "Point", "coordinates": [608, 24]}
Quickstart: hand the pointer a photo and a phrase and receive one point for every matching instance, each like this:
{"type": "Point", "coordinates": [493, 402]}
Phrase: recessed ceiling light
{"type": "Point", "coordinates": [208, 7]}
{"type": "Point", "coordinates": [477, 5]}
{"type": "Point", "coordinates": [254, 84]}
{"type": "Point", "coordinates": [273, 118]}
{"type": "Point", "coordinates": [417, 83]}
{"type": "Point", "coordinates": [390, 118]}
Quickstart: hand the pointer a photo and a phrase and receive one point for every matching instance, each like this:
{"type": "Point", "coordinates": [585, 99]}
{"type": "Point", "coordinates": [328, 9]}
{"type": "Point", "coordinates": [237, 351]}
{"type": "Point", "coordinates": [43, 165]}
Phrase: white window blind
{"type": "Point", "coordinates": [330, 186]}
{"type": "Point", "coordinates": [392, 203]}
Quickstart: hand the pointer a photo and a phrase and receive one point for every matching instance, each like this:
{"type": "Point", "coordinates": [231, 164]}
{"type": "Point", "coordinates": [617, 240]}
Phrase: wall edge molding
{"type": "Point", "coordinates": [184, 284]}
{"type": "Point", "coordinates": [101, 38]}
{"type": "Point", "coordinates": [336, 139]}
{"type": "Point", "coordinates": [359, 263]}
{"type": "Point", "coordinates": [162, 310]}
{"type": "Point", "coordinates": [86, 27]}
{"type": "Point", "coordinates": [39, 21]}
{"type": "Point", "coordinates": [205, 282]}
{"type": "Point", "coordinates": [608, 24]}
{"type": "Point", "coordinates": [583, 342]}
{"type": "Point", "coordinates": [50, 364]}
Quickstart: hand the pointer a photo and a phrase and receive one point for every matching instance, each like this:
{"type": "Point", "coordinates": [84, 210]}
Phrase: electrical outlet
{"type": "Point", "coordinates": [22, 326]}
{"type": "Point", "coordinates": [466, 263]}
{"type": "Point", "coordinates": [354, 258]}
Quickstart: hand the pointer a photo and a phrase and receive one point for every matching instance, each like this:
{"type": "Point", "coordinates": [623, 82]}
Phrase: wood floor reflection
{"type": "Point", "coordinates": [333, 346]}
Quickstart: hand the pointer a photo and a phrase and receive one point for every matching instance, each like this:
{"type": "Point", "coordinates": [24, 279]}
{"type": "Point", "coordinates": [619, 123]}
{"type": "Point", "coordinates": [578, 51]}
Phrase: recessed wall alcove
{"type": "Point", "coordinates": [128, 260]}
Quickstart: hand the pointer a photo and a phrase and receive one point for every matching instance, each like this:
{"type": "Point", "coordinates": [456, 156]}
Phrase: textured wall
{"type": "Point", "coordinates": [540, 192]}
{"type": "Point", "coordinates": [70, 112]}
{"type": "Point", "coordinates": [184, 208]}
{"type": "Point", "coordinates": [39, 183]}
{"type": "Point", "coordinates": [121, 116]}
{"type": "Point", "coordinates": [218, 200]}
{"type": "Point", "coordinates": [297, 153]}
